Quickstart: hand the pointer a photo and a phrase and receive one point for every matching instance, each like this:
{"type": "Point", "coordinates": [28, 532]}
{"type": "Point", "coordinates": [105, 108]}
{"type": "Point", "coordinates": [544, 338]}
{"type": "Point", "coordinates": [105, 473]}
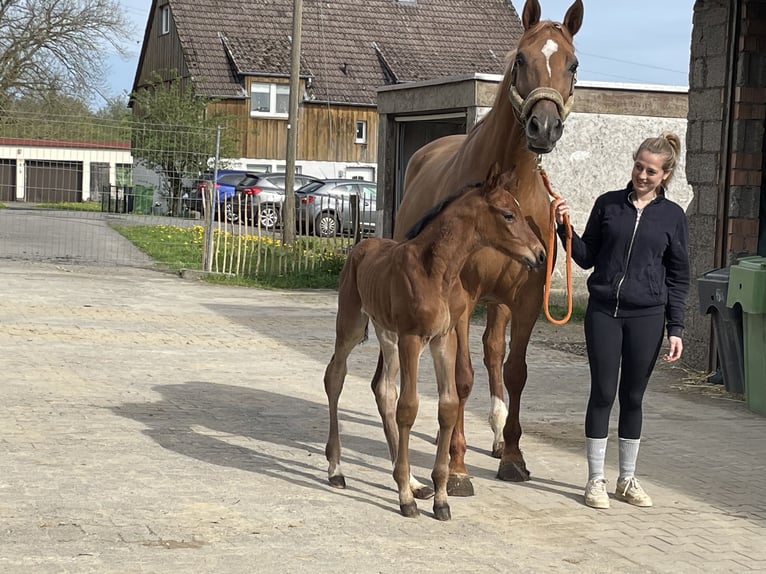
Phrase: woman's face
{"type": "Point", "coordinates": [647, 172]}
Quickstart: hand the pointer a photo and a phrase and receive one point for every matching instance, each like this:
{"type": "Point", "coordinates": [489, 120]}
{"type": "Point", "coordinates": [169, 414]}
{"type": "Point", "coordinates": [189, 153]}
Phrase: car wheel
{"type": "Point", "coordinates": [326, 225]}
{"type": "Point", "coordinates": [231, 214]}
{"type": "Point", "coordinates": [268, 216]}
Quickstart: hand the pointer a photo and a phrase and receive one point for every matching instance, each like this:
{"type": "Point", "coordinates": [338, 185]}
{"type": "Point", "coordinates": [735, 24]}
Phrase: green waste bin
{"type": "Point", "coordinates": [747, 287]}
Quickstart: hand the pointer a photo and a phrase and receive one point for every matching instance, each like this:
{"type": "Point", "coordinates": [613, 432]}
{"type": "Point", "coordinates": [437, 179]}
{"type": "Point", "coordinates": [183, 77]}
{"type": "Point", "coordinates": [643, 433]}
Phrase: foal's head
{"type": "Point", "coordinates": [540, 78]}
{"type": "Point", "coordinates": [500, 222]}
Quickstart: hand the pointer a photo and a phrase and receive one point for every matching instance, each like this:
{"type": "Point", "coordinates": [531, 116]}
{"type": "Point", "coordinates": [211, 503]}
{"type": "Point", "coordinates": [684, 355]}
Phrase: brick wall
{"type": "Point", "coordinates": [725, 145]}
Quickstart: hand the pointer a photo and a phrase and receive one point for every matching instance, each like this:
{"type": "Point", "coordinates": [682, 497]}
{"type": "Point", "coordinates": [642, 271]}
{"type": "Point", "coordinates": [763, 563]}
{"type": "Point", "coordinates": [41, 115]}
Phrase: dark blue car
{"type": "Point", "coordinates": [225, 193]}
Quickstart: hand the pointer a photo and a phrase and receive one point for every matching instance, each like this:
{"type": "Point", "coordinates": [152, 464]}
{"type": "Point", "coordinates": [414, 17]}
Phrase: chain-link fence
{"type": "Point", "coordinates": [89, 189]}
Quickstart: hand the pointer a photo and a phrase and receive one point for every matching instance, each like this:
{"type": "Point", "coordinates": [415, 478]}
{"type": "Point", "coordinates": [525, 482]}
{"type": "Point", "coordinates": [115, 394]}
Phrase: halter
{"type": "Point", "coordinates": [524, 105]}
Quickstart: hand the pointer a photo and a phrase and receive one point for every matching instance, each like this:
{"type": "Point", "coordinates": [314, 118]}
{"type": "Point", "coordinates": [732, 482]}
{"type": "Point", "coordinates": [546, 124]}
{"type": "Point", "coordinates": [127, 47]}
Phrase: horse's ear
{"type": "Point", "coordinates": [530, 15]}
{"type": "Point", "coordinates": [573, 18]}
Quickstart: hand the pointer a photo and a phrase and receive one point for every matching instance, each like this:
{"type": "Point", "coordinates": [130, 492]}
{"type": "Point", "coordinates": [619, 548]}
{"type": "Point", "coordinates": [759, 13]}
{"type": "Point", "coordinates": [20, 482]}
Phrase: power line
{"type": "Point", "coordinates": [633, 63]}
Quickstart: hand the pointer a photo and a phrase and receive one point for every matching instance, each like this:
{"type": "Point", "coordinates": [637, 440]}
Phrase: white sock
{"type": "Point", "coordinates": [595, 450]}
{"type": "Point", "coordinates": [628, 454]}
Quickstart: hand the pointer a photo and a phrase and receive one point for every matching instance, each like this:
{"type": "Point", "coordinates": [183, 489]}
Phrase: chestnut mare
{"type": "Point", "coordinates": [526, 120]}
{"type": "Point", "coordinates": [412, 293]}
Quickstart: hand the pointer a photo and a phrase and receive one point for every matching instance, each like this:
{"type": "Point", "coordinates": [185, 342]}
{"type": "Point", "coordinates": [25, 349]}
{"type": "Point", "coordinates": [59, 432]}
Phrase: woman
{"type": "Point", "coordinates": [636, 241]}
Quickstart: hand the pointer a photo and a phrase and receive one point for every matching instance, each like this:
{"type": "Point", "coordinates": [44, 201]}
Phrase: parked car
{"type": "Point", "coordinates": [224, 195]}
{"type": "Point", "coordinates": [263, 195]}
{"type": "Point", "coordinates": [325, 208]}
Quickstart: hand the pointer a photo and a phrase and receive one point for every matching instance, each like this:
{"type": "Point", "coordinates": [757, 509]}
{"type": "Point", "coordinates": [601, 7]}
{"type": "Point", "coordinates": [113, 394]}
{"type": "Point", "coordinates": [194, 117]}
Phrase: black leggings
{"type": "Point", "coordinates": [634, 341]}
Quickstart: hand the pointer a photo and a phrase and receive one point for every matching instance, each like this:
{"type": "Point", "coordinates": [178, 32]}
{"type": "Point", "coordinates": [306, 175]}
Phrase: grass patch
{"type": "Point", "coordinates": [72, 206]}
{"type": "Point", "coordinates": [312, 263]}
{"type": "Point", "coordinates": [173, 248]}
{"type": "Point", "coordinates": [3, 206]}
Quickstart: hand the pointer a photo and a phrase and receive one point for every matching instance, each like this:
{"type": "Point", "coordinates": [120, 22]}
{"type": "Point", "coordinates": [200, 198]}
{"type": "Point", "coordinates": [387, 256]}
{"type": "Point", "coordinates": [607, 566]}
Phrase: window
{"type": "Point", "coordinates": [361, 132]}
{"type": "Point", "coordinates": [269, 99]}
{"type": "Point", "coordinates": [165, 19]}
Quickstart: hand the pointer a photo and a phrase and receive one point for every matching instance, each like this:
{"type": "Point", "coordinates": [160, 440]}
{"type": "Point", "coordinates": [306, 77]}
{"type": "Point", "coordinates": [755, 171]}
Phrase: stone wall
{"type": "Point", "coordinates": [725, 141]}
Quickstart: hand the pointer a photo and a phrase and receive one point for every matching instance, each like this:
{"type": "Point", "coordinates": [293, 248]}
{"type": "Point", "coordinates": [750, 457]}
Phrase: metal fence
{"type": "Point", "coordinates": [71, 197]}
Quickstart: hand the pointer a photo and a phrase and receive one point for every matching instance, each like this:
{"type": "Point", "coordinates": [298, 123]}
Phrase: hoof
{"type": "Point", "coordinates": [513, 472]}
{"type": "Point", "coordinates": [423, 493]}
{"type": "Point", "coordinates": [338, 481]}
{"type": "Point", "coordinates": [497, 451]}
{"type": "Point", "coordinates": [442, 512]}
{"type": "Point", "coordinates": [459, 485]}
{"type": "Point", "coordinates": [409, 510]}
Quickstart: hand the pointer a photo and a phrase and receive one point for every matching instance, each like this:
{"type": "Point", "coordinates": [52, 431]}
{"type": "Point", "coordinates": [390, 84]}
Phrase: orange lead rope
{"type": "Point", "coordinates": [549, 259]}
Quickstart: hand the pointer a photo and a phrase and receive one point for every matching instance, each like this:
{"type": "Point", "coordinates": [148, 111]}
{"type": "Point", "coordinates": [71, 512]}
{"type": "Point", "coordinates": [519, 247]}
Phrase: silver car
{"type": "Point", "coordinates": [336, 206]}
{"type": "Point", "coordinates": [263, 195]}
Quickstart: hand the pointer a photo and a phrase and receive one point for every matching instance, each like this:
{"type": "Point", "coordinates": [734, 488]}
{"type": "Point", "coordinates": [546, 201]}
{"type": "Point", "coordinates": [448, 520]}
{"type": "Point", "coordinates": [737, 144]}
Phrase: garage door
{"type": "Point", "coordinates": [7, 179]}
{"type": "Point", "coordinates": [53, 181]}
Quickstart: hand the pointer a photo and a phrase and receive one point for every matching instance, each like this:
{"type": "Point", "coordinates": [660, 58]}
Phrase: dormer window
{"type": "Point", "coordinates": [271, 100]}
{"type": "Point", "coordinates": [165, 20]}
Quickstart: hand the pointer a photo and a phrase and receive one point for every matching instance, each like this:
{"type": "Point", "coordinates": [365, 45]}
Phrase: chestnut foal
{"type": "Point", "coordinates": [412, 292]}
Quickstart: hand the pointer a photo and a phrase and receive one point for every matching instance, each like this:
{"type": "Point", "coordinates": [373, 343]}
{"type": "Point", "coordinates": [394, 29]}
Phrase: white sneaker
{"type": "Point", "coordinates": [630, 491]}
{"type": "Point", "coordinates": [595, 493]}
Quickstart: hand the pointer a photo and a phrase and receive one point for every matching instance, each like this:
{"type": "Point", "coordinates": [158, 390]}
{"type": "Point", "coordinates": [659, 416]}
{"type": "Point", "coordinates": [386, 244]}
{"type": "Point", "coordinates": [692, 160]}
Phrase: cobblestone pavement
{"type": "Point", "coordinates": [154, 424]}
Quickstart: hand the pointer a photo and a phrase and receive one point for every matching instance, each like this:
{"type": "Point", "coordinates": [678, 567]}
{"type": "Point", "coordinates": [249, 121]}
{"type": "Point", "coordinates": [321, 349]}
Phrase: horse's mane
{"type": "Point", "coordinates": [435, 210]}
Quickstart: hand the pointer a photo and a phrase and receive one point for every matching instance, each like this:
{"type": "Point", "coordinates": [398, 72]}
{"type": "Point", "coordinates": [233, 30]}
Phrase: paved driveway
{"type": "Point", "coordinates": [154, 424]}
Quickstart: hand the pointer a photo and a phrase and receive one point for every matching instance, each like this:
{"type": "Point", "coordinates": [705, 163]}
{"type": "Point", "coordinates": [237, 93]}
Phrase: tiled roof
{"type": "Point", "coordinates": [349, 47]}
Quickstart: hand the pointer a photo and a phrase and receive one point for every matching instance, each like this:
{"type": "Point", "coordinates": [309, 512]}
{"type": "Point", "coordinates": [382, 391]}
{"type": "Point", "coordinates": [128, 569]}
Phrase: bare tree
{"type": "Point", "coordinates": [58, 45]}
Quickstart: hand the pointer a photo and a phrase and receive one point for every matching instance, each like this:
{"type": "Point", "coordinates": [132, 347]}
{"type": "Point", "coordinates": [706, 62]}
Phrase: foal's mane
{"type": "Point", "coordinates": [431, 214]}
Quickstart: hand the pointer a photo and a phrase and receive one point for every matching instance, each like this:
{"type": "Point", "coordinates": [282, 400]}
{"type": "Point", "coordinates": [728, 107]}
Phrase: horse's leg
{"type": "Point", "coordinates": [350, 331]}
{"type": "Point", "coordinates": [459, 482]}
{"type": "Point", "coordinates": [443, 351]}
{"type": "Point", "coordinates": [494, 353]}
{"type": "Point", "coordinates": [410, 348]}
{"type": "Point", "coordinates": [384, 387]}
{"type": "Point", "coordinates": [512, 465]}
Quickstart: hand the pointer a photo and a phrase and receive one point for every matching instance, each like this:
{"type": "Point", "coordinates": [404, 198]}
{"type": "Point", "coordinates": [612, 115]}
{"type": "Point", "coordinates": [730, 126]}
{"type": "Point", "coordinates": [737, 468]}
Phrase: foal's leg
{"type": "Point", "coordinates": [494, 353]}
{"type": "Point", "coordinates": [350, 330]}
{"type": "Point", "coordinates": [410, 348]}
{"type": "Point", "coordinates": [512, 465]}
{"type": "Point", "coordinates": [459, 482]}
{"type": "Point", "coordinates": [443, 351]}
{"type": "Point", "coordinates": [384, 387]}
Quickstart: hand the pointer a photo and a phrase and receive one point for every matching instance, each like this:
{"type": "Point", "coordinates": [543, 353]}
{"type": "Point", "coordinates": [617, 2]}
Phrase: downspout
{"type": "Point", "coordinates": [722, 215]}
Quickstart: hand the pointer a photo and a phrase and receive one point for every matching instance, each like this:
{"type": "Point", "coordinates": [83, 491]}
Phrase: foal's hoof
{"type": "Point", "coordinates": [410, 510]}
{"type": "Point", "coordinates": [497, 450]}
{"type": "Point", "coordinates": [338, 481]}
{"type": "Point", "coordinates": [442, 512]}
{"type": "Point", "coordinates": [423, 492]}
{"type": "Point", "coordinates": [459, 485]}
{"type": "Point", "coordinates": [513, 471]}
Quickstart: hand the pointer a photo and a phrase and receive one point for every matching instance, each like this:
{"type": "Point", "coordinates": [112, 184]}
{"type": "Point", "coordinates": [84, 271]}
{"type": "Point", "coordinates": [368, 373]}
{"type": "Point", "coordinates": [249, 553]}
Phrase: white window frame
{"type": "Point", "coordinates": [165, 19]}
{"type": "Point", "coordinates": [273, 91]}
{"type": "Point", "coordinates": [361, 132]}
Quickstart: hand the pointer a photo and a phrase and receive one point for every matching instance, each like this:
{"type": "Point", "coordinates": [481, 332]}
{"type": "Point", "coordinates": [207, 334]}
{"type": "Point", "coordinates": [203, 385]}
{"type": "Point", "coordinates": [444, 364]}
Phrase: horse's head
{"type": "Point", "coordinates": [542, 75]}
{"type": "Point", "coordinates": [503, 226]}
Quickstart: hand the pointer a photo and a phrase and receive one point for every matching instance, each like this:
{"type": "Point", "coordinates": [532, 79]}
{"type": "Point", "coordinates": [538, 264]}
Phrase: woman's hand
{"type": "Point", "coordinates": [676, 348]}
{"type": "Point", "coordinates": [561, 209]}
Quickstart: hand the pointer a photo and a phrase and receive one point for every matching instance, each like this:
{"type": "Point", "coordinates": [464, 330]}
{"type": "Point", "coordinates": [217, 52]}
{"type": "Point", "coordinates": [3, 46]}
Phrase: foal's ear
{"type": "Point", "coordinates": [573, 18]}
{"type": "Point", "coordinates": [530, 15]}
{"type": "Point", "coordinates": [492, 175]}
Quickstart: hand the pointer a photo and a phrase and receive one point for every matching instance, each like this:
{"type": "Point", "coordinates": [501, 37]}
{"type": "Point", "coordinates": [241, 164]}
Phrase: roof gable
{"type": "Point", "coordinates": [349, 47]}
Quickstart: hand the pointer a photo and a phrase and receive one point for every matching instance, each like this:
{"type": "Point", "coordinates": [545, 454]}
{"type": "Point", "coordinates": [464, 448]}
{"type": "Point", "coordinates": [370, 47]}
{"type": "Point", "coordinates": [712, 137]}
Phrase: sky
{"type": "Point", "coordinates": [623, 41]}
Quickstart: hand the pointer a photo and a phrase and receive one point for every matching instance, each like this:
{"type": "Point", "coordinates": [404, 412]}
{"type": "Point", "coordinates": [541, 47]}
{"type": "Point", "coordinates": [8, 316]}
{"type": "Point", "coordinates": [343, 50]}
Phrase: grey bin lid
{"type": "Point", "coordinates": [713, 287]}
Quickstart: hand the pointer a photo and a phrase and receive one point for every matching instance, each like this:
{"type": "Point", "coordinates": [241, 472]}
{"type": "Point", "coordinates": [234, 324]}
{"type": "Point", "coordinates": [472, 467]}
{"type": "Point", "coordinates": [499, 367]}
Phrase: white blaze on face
{"type": "Point", "coordinates": [548, 50]}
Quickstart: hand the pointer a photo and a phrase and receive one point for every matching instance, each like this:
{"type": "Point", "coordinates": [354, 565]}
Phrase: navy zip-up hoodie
{"type": "Point", "coordinates": [638, 270]}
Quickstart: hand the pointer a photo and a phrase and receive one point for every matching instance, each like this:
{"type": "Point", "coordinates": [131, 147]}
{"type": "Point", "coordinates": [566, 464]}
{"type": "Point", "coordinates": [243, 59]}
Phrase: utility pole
{"type": "Point", "coordinates": [288, 211]}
